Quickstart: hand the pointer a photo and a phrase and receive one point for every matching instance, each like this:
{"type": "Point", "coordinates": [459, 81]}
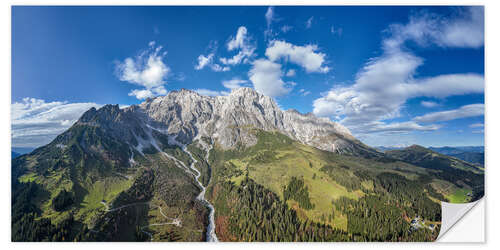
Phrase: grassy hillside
{"type": "Point", "coordinates": [457, 180]}
{"type": "Point", "coordinates": [325, 180]}
{"type": "Point", "coordinates": [430, 159]}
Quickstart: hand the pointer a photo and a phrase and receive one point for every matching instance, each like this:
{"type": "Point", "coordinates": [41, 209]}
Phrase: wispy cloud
{"type": "Point", "coordinates": [309, 22]}
{"type": "Point", "coordinates": [400, 127]}
{"type": "Point", "coordinates": [208, 61]}
{"type": "Point", "coordinates": [429, 104]}
{"type": "Point", "coordinates": [336, 30]}
{"type": "Point", "coordinates": [466, 30]}
{"type": "Point", "coordinates": [470, 110]}
{"type": "Point", "coordinates": [385, 83]}
{"type": "Point", "coordinates": [228, 84]}
{"type": "Point", "coordinates": [234, 83]}
{"type": "Point", "coordinates": [477, 125]}
{"type": "Point", "coordinates": [270, 17]}
{"type": "Point", "coordinates": [286, 28]}
{"type": "Point", "coordinates": [209, 92]}
{"type": "Point", "coordinates": [36, 122]}
{"type": "Point", "coordinates": [290, 73]}
{"type": "Point", "coordinates": [241, 42]}
{"type": "Point", "coordinates": [304, 92]}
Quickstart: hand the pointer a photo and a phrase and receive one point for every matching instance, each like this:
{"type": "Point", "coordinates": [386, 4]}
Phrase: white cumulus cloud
{"type": "Point", "coordinates": [148, 93]}
{"type": "Point", "coordinates": [305, 56]}
{"type": "Point", "coordinates": [147, 69]}
{"type": "Point", "coordinates": [266, 78]}
{"type": "Point", "coordinates": [384, 85]}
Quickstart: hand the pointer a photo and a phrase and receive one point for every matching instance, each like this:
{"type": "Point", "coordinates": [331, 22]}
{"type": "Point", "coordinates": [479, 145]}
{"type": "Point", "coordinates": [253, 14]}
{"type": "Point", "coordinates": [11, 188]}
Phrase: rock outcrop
{"type": "Point", "coordinates": [228, 120]}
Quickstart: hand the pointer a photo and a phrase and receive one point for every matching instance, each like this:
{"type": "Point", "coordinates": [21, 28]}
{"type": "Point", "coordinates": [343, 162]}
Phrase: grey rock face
{"type": "Point", "coordinates": [228, 119]}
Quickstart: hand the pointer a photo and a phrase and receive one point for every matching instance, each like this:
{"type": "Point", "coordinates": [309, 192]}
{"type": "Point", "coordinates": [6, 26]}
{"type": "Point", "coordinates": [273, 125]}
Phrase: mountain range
{"type": "Point", "coordinates": [472, 154]}
{"type": "Point", "coordinates": [188, 167]}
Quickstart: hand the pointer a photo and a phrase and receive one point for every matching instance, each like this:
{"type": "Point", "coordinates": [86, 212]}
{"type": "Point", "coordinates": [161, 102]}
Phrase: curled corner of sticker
{"type": "Point", "coordinates": [451, 213]}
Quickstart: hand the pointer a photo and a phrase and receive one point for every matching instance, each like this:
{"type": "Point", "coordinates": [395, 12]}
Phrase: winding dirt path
{"type": "Point", "coordinates": [174, 221]}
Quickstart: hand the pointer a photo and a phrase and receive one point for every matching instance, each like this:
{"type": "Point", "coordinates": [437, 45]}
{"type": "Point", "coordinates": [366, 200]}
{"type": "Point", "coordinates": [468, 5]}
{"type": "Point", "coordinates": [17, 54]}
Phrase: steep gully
{"type": "Point", "coordinates": [211, 236]}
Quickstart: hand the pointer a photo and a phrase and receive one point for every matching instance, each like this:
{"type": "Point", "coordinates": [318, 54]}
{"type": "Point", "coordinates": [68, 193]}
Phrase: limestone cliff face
{"type": "Point", "coordinates": [227, 120]}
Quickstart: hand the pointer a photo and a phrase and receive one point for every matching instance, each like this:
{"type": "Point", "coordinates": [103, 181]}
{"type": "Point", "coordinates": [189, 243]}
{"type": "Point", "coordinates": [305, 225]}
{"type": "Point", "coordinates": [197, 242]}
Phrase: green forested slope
{"type": "Point", "coordinates": [457, 180]}
{"type": "Point", "coordinates": [352, 198]}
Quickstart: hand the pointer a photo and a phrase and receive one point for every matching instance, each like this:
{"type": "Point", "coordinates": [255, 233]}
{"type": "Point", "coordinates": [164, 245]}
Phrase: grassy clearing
{"type": "Point", "coordinates": [29, 177]}
{"type": "Point", "coordinates": [459, 196]}
{"type": "Point", "coordinates": [107, 190]}
{"type": "Point", "coordinates": [451, 192]}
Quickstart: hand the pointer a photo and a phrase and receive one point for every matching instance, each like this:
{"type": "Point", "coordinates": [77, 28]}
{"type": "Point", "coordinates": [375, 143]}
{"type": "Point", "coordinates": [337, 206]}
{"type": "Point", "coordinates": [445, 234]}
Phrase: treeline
{"type": "Point", "coordinates": [296, 190]}
{"type": "Point", "coordinates": [376, 218]}
{"type": "Point", "coordinates": [342, 176]}
{"type": "Point", "coordinates": [409, 195]}
{"type": "Point", "coordinates": [63, 200]}
{"type": "Point", "coordinates": [30, 228]}
{"type": "Point", "coordinates": [25, 224]}
{"type": "Point", "coordinates": [262, 216]}
{"type": "Point", "coordinates": [384, 215]}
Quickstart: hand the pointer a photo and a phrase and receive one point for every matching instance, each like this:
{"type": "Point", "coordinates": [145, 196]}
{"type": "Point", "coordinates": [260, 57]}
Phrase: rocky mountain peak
{"type": "Point", "coordinates": [248, 93]}
{"type": "Point", "coordinates": [228, 120]}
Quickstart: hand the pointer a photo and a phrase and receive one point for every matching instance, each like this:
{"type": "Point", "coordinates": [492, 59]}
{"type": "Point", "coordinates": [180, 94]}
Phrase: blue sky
{"type": "Point", "coordinates": [392, 75]}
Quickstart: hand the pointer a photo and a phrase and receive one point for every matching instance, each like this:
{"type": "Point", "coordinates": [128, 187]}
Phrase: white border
{"type": "Point", "coordinates": [492, 14]}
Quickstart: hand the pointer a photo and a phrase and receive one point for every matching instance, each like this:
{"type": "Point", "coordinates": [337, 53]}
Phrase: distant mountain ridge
{"type": "Point", "coordinates": [23, 150]}
{"type": "Point", "coordinates": [472, 154]}
{"type": "Point", "coordinates": [17, 151]}
{"type": "Point", "coordinates": [459, 149]}
{"type": "Point", "coordinates": [387, 148]}
{"type": "Point", "coordinates": [14, 154]}
{"type": "Point", "coordinates": [428, 158]}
